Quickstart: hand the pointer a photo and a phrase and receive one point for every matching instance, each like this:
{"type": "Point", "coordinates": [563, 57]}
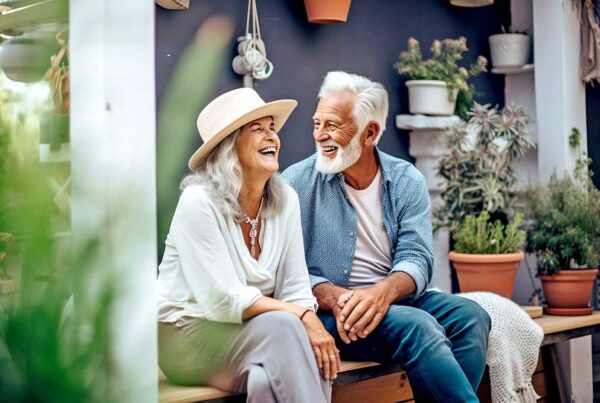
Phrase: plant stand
{"type": "Point", "coordinates": [426, 147]}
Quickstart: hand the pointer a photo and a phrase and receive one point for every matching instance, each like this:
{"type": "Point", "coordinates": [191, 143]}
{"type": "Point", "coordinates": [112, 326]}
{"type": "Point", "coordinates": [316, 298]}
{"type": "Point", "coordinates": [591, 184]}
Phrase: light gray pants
{"type": "Point", "coordinates": [269, 357]}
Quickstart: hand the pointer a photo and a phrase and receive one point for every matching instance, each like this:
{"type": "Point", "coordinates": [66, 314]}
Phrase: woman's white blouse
{"type": "Point", "coordinates": [207, 271]}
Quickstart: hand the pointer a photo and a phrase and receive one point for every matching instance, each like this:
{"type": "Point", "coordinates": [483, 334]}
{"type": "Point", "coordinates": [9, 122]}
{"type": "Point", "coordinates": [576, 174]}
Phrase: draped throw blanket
{"type": "Point", "coordinates": [513, 348]}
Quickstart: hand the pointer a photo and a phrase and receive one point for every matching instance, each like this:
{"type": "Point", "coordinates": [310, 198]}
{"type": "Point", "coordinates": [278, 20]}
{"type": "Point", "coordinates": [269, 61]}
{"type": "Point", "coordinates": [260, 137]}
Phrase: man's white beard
{"type": "Point", "coordinates": [345, 157]}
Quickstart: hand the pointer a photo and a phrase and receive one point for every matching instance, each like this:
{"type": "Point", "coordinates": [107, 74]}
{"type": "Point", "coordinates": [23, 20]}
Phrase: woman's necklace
{"type": "Point", "coordinates": [253, 231]}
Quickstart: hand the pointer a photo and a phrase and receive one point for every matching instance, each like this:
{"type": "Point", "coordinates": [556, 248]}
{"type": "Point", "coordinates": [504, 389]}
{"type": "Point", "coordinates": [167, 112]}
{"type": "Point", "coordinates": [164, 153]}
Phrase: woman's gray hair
{"type": "Point", "coordinates": [221, 175]}
{"type": "Point", "coordinates": [371, 102]}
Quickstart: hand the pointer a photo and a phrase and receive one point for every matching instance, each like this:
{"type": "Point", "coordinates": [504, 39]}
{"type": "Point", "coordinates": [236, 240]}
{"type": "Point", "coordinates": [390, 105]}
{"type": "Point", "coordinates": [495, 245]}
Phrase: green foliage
{"type": "Point", "coordinates": [48, 351]}
{"type": "Point", "coordinates": [479, 235]}
{"type": "Point", "coordinates": [443, 66]}
{"type": "Point", "coordinates": [476, 168]}
{"type": "Point", "coordinates": [565, 223]}
{"type": "Point", "coordinates": [189, 89]}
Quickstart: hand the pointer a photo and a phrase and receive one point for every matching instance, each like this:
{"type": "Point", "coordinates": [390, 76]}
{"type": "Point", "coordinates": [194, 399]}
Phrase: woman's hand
{"type": "Point", "coordinates": [323, 344]}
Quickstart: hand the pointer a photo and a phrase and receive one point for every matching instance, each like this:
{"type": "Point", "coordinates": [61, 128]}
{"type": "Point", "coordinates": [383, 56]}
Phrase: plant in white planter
{"type": "Point", "coordinates": [509, 49]}
{"type": "Point", "coordinates": [438, 85]}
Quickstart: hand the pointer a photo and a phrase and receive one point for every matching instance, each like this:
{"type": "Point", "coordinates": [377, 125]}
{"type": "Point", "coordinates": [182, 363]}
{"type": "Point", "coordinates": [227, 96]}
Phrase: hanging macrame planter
{"type": "Point", "coordinates": [252, 62]}
{"type": "Point", "coordinates": [58, 76]}
{"type": "Point", "coordinates": [327, 11]}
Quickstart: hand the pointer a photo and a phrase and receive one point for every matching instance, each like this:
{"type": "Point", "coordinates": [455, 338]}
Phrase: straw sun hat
{"type": "Point", "coordinates": [232, 110]}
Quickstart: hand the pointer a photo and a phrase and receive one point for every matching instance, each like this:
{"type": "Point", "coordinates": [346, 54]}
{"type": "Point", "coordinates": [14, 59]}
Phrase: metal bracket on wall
{"type": "Point", "coordinates": [174, 4]}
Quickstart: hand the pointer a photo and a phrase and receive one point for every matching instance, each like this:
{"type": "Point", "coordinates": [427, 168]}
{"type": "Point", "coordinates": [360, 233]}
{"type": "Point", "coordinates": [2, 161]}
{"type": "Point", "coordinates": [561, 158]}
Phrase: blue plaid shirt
{"type": "Point", "coordinates": [329, 221]}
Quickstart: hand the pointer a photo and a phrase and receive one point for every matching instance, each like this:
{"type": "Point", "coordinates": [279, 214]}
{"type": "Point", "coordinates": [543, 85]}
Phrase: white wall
{"type": "Point", "coordinates": [113, 170]}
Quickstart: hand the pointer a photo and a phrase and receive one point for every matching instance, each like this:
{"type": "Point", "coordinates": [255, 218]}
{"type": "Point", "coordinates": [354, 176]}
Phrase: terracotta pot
{"type": "Point", "coordinates": [493, 273]}
{"type": "Point", "coordinates": [568, 292]}
{"type": "Point", "coordinates": [327, 11]}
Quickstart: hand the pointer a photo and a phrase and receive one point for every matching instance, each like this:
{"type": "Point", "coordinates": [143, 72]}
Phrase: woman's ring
{"type": "Point", "coordinates": [332, 356]}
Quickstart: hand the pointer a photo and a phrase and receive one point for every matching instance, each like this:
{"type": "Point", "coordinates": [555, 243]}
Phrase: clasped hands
{"type": "Point", "coordinates": [358, 312]}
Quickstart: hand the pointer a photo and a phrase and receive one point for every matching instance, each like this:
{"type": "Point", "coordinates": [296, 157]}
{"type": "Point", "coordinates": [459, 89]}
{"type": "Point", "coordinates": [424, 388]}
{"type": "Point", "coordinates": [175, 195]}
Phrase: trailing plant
{"type": "Point", "coordinates": [565, 218]}
{"type": "Point", "coordinates": [480, 235]}
{"type": "Point", "coordinates": [476, 167]}
{"type": "Point", "coordinates": [443, 66]}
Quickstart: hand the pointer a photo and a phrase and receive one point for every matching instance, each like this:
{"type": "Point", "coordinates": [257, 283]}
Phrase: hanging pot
{"type": "Point", "coordinates": [174, 4]}
{"type": "Point", "coordinates": [327, 11]}
{"type": "Point", "coordinates": [25, 59]}
{"type": "Point", "coordinates": [471, 3]}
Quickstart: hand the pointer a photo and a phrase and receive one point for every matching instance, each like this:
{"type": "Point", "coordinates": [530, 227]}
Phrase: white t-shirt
{"type": "Point", "coordinates": [208, 272]}
{"type": "Point", "coordinates": [372, 259]}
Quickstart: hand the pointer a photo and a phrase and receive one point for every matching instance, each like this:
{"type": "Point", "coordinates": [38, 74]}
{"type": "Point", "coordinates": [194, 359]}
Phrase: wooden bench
{"type": "Point", "coordinates": [372, 382]}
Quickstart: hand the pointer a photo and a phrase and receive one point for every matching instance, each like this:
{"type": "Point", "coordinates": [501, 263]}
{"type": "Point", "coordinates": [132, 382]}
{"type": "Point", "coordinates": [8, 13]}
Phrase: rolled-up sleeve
{"type": "Point", "coordinates": [205, 261]}
{"type": "Point", "coordinates": [414, 250]}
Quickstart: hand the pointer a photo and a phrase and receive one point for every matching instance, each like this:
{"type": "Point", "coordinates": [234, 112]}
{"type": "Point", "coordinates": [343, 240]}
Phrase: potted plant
{"type": "Point", "coordinates": [509, 49]}
{"type": "Point", "coordinates": [438, 85]}
{"type": "Point", "coordinates": [476, 167]}
{"type": "Point", "coordinates": [7, 282]}
{"type": "Point", "coordinates": [487, 254]}
{"type": "Point", "coordinates": [565, 236]}
{"type": "Point", "coordinates": [327, 12]}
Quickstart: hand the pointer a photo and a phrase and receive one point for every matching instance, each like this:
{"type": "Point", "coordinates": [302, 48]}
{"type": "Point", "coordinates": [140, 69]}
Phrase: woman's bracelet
{"type": "Point", "coordinates": [305, 312]}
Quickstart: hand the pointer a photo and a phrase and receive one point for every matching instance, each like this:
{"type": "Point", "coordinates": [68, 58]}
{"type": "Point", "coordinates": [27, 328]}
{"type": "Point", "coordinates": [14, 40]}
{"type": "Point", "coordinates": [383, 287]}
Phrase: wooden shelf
{"type": "Point", "coordinates": [513, 70]}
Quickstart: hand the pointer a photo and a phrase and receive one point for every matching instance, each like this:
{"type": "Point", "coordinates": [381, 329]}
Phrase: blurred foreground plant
{"type": "Point", "coordinates": [190, 87]}
{"type": "Point", "coordinates": [54, 331]}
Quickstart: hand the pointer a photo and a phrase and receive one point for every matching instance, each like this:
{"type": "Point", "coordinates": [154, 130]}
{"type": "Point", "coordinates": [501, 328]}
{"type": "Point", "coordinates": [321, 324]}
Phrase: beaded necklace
{"type": "Point", "coordinates": [253, 231]}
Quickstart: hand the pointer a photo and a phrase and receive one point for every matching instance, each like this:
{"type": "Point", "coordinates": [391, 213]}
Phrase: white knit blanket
{"type": "Point", "coordinates": [513, 348]}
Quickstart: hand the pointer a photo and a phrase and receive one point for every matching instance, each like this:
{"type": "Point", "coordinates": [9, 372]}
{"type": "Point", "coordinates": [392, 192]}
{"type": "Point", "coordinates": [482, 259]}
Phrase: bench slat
{"type": "Point", "coordinates": [369, 381]}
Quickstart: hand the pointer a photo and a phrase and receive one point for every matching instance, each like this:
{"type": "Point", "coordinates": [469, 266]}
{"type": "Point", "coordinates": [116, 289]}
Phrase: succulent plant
{"type": "Point", "coordinates": [476, 168]}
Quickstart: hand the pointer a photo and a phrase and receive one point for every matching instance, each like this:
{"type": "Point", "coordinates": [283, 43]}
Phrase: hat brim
{"type": "Point", "coordinates": [280, 110]}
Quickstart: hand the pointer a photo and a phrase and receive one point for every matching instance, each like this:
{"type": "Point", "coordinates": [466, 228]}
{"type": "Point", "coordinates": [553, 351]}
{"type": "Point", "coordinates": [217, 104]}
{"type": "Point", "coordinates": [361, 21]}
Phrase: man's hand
{"type": "Point", "coordinates": [360, 311]}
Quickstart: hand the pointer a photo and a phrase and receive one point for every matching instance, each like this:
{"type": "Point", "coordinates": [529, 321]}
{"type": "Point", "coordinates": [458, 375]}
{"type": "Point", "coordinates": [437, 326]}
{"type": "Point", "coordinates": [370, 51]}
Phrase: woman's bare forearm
{"type": "Point", "coordinates": [267, 304]}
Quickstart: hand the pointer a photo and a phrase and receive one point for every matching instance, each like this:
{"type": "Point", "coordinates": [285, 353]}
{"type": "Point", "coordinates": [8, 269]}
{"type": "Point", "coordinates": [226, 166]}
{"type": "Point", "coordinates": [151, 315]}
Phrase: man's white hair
{"type": "Point", "coordinates": [371, 102]}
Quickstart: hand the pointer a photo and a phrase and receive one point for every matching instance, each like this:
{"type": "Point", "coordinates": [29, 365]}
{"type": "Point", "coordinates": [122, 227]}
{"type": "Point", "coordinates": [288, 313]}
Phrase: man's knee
{"type": "Point", "coordinates": [409, 321]}
{"type": "Point", "coordinates": [471, 315]}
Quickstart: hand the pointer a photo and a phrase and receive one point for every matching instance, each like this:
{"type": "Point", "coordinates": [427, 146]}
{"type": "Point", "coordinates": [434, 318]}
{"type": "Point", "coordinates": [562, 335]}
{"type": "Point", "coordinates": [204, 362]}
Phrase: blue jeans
{"type": "Point", "coordinates": [440, 339]}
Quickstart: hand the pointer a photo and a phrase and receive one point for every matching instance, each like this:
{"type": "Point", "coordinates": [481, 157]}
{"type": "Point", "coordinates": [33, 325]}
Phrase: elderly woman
{"type": "Point", "coordinates": [236, 309]}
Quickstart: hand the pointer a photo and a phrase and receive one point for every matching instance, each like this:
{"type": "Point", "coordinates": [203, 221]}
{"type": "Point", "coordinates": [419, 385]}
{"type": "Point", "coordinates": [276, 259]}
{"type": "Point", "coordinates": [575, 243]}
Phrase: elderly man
{"type": "Point", "coordinates": [367, 231]}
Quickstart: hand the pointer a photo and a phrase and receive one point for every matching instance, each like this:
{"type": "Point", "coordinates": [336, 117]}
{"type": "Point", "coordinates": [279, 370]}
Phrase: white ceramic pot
{"type": "Point", "coordinates": [430, 97]}
{"type": "Point", "coordinates": [471, 3]}
{"type": "Point", "coordinates": [509, 50]}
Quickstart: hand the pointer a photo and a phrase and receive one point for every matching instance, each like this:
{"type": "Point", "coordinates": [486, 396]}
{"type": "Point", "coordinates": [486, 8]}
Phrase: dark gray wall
{"type": "Point", "coordinates": [592, 97]}
{"type": "Point", "coordinates": [369, 44]}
